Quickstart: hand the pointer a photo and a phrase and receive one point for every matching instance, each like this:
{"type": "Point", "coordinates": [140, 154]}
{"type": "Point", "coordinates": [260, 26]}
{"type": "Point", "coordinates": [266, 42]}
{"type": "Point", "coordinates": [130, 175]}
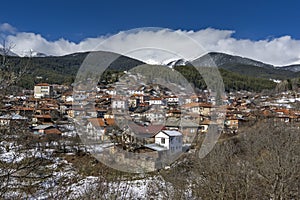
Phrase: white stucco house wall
{"type": "Point", "coordinates": [118, 104]}
{"type": "Point", "coordinates": [155, 101]}
{"type": "Point", "coordinates": [138, 92]}
{"type": "Point", "coordinates": [69, 99]}
{"type": "Point", "coordinates": [170, 139]}
{"type": "Point", "coordinates": [111, 92]}
{"type": "Point", "coordinates": [173, 99]}
{"type": "Point", "coordinates": [95, 129]}
{"type": "Point", "coordinates": [43, 90]}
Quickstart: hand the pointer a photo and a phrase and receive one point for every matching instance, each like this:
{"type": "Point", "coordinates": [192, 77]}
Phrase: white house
{"type": "Point", "coordinates": [155, 101]}
{"type": "Point", "coordinates": [111, 92]}
{"type": "Point", "coordinates": [118, 104]}
{"type": "Point", "coordinates": [132, 102]}
{"type": "Point", "coordinates": [169, 139]}
{"type": "Point", "coordinates": [132, 92]}
{"type": "Point", "coordinates": [198, 108]}
{"type": "Point", "coordinates": [192, 107]}
{"type": "Point", "coordinates": [172, 100]}
{"type": "Point", "coordinates": [69, 98]}
{"type": "Point", "coordinates": [168, 145]}
{"type": "Point", "coordinates": [95, 129]}
{"type": "Point", "coordinates": [155, 116]}
{"type": "Point", "coordinates": [43, 90]}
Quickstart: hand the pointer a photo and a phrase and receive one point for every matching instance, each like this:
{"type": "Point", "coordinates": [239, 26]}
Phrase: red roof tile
{"type": "Point", "coordinates": [52, 131]}
{"type": "Point", "coordinates": [42, 84]}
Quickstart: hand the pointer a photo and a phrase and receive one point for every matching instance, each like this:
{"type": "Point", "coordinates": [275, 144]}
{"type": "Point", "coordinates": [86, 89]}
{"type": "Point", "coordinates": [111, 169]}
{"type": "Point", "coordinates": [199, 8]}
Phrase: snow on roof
{"type": "Point", "coordinates": [13, 117]}
{"type": "Point", "coordinates": [42, 127]}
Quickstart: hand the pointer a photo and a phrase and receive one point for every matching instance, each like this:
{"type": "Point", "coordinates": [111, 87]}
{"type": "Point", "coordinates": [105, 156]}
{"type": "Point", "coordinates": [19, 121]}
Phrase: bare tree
{"type": "Point", "coordinates": [9, 73]}
{"type": "Point", "coordinates": [261, 163]}
{"type": "Point", "coordinates": [272, 151]}
{"type": "Point", "coordinates": [22, 165]}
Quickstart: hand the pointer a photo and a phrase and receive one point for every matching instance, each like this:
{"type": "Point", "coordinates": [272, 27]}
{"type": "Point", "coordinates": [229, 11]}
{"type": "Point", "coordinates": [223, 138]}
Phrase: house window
{"type": "Point", "coordinates": [163, 140]}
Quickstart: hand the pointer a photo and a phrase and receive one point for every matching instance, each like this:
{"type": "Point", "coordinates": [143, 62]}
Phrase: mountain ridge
{"type": "Point", "coordinates": [223, 60]}
{"type": "Point", "coordinates": [63, 69]}
{"type": "Point", "coordinates": [218, 59]}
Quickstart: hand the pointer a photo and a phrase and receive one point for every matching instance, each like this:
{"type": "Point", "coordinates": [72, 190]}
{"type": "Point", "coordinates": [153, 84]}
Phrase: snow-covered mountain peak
{"type": "Point", "coordinates": [31, 53]}
{"type": "Point", "coordinates": [178, 62]}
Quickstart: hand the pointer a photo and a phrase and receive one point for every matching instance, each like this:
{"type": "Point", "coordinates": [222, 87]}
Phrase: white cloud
{"type": "Point", "coordinates": [5, 27]}
{"type": "Point", "coordinates": [5, 30]}
{"type": "Point", "coordinates": [163, 44]}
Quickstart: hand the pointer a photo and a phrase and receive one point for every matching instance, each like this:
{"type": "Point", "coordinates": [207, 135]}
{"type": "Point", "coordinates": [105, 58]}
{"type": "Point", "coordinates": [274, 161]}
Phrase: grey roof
{"type": "Point", "coordinates": [178, 122]}
{"type": "Point", "coordinates": [155, 147]}
{"type": "Point", "coordinates": [42, 127]}
{"type": "Point", "coordinates": [172, 133]}
{"type": "Point", "coordinates": [188, 123]}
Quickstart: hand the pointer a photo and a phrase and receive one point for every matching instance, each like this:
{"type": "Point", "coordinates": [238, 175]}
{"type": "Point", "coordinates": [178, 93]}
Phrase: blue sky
{"type": "Point", "coordinates": [267, 31]}
{"type": "Point", "coordinates": [76, 20]}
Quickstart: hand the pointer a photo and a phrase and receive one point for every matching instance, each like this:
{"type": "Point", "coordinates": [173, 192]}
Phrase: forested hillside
{"type": "Point", "coordinates": [63, 70]}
